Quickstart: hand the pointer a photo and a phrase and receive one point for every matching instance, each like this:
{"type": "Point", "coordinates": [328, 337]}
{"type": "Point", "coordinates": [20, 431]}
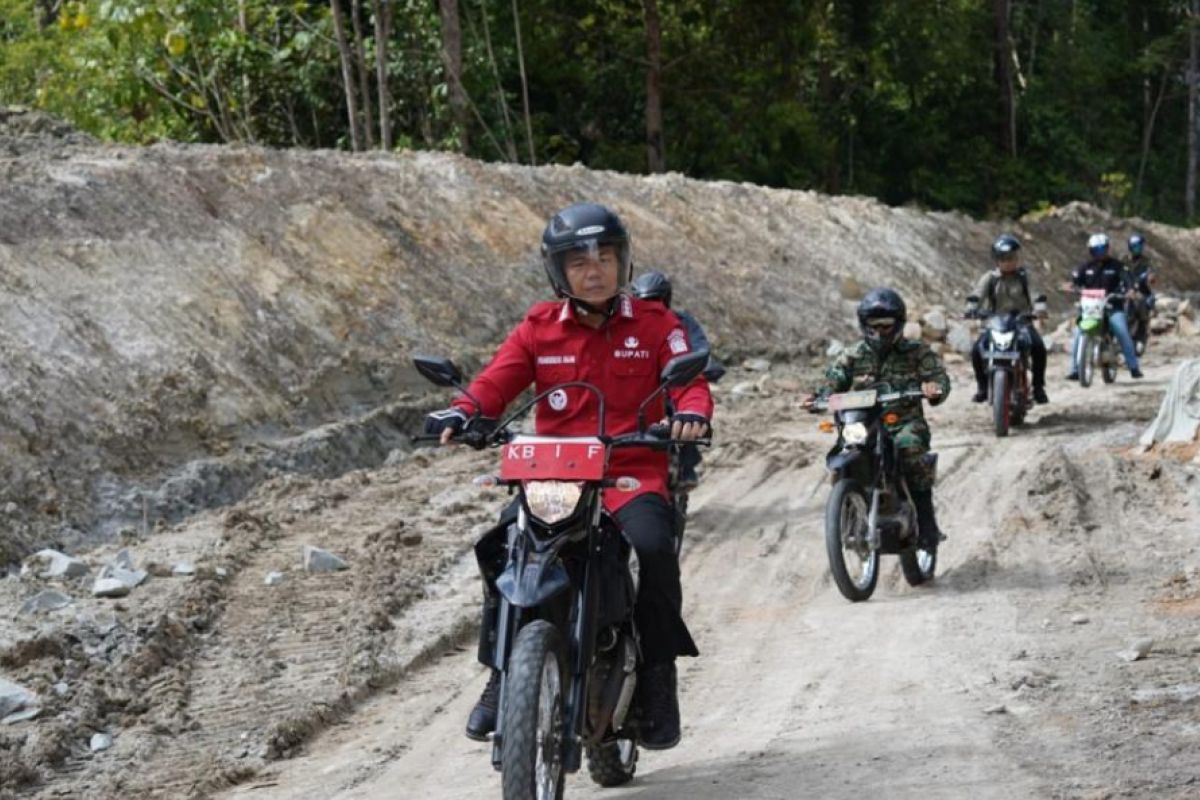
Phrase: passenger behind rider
{"type": "Point", "coordinates": [655, 285]}
{"type": "Point", "coordinates": [599, 335]}
{"type": "Point", "coordinates": [1102, 271]}
{"type": "Point", "coordinates": [1140, 275]}
{"type": "Point", "coordinates": [885, 356]}
{"type": "Point", "coordinates": [999, 291]}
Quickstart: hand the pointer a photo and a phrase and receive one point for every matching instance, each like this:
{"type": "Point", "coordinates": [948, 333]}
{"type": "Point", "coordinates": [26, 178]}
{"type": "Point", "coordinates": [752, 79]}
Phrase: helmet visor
{"type": "Point", "coordinates": [882, 327]}
{"type": "Point", "coordinates": [569, 261]}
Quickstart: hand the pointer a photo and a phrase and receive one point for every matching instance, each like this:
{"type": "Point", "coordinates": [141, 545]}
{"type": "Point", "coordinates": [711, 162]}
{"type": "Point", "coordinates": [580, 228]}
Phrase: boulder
{"type": "Point", "coordinates": [53, 564]}
{"type": "Point", "coordinates": [49, 600]}
{"type": "Point", "coordinates": [184, 568]}
{"type": "Point", "coordinates": [960, 339]}
{"type": "Point", "coordinates": [934, 325]}
{"type": "Point", "coordinates": [318, 560]}
{"type": "Point", "coordinates": [15, 700]}
{"type": "Point", "coordinates": [1160, 325]}
{"type": "Point", "coordinates": [757, 365]}
{"type": "Point", "coordinates": [110, 587]}
{"type": "Point", "coordinates": [912, 331]}
{"type": "Point", "coordinates": [130, 577]}
{"type": "Point", "coordinates": [100, 742]}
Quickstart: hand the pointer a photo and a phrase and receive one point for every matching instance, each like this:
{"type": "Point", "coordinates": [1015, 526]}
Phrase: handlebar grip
{"type": "Point", "coordinates": [659, 430]}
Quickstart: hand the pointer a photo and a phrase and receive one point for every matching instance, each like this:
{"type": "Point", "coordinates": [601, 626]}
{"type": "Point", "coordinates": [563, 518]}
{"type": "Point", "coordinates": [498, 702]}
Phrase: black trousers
{"type": "Point", "coordinates": [647, 522]}
{"type": "Point", "coordinates": [1037, 354]}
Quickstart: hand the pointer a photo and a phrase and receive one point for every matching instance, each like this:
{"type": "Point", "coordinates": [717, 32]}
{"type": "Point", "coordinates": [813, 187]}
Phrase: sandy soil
{"type": "Point", "coordinates": [1001, 680]}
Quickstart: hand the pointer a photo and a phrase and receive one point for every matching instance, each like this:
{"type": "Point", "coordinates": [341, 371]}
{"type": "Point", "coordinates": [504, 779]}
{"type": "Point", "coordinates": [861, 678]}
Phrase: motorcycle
{"type": "Point", "coordinates": [1007, 359]}
{"type": "Point", "coordinates": [566, 643]}
{"type": "Point", "coordinates": [870, 511]}
{"type": "Point", "coordinates": [1095, 344]}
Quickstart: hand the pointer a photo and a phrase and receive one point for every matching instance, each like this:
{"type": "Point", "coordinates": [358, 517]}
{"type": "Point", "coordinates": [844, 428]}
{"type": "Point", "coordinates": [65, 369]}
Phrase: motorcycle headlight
{"type": "Point", "coordinates": [1003, 341]}
{"type": "Point", "coordinates": [854, 433]}
{"type": "Point", "coordinates": [552, 501]}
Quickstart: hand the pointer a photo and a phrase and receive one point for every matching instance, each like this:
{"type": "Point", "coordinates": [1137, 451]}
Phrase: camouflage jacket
{"type": "Point", "coordinates": [906, 366]}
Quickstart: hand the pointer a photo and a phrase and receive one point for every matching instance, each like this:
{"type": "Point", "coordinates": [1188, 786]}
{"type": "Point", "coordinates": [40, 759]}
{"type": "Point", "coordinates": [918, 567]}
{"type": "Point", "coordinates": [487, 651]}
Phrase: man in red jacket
{"type": "Point", "coordinates": [594, 333]}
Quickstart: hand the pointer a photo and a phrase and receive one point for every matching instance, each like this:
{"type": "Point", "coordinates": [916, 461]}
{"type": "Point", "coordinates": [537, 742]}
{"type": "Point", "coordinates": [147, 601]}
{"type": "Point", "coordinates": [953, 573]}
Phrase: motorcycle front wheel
{"type": "Point", "coordinates": [1001, 402]}
{"type": "Point", "coordinates": [853, 564]}
{"type": "Point", "coordinates": [1108, 361]}
{"type": "Point", "coordinates": [531, 748]}
{"type": "Point", "coordinates": [1085, 360]}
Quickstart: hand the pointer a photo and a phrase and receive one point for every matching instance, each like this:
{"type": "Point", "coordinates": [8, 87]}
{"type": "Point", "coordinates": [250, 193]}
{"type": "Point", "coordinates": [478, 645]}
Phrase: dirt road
{"type": "Point", "coordinates": [1002, 680]}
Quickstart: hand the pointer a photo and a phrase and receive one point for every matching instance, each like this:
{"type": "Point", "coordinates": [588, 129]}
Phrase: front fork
{"type": "Point", "coordinates": [580, 647]}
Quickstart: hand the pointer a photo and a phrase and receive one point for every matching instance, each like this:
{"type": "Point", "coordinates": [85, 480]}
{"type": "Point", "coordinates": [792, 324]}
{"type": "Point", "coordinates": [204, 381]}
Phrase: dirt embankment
{"type": "Point", "coordinates": [172, 315]}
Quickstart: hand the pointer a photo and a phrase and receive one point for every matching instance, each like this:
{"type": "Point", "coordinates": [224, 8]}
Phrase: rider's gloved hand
{"type": "Point", "coordinates": [447, 423]}
{"type": "Point", "coordinates": [687, 426]}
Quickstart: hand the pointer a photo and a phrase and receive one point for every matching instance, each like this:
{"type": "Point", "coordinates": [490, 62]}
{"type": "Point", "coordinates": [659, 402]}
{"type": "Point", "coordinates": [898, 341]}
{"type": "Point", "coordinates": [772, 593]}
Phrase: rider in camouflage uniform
{"type": "Point", "coordinates": [885, 356]}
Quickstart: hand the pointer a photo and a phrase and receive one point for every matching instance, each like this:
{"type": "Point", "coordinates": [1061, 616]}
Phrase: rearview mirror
{"type": "Point", "coordinates": [438, 371]}
{"type": "Point", "coordinates": [682, 370]}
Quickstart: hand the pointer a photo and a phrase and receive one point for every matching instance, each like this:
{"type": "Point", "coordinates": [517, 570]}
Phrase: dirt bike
{"type": "Point", "coordinates": [1007, 358]}
{"type": "Point", "coordinates": [870, 511]}
{"type": "Point", "coordinates": [566, 641]}
{"type": "Point", "coordinates": [1095, 345]}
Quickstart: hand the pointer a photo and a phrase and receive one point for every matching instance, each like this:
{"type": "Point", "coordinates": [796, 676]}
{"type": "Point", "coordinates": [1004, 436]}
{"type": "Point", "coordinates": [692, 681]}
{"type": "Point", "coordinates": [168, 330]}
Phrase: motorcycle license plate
{"type": "Point", "coordinates": [1091, 303]}
{"type": "Point", "coordinates": [848, 400]}
{"type": "Point", "coordinates": [541, 458]}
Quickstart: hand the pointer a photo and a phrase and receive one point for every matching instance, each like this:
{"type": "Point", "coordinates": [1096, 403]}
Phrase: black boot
{"type": "Point", "coordinates": [483, 716]}
{"type": "Point", "coordinates": [981, 390]}
{"type": "Point", "coordinates": [658, 706]}
{"type": "Point", "coordinates": [1039, 395]}
{"type": "Point", "coordinates": [928, 534]}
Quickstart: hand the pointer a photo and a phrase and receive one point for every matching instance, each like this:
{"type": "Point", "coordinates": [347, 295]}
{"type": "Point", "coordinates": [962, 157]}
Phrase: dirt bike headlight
{"type": "Point", "coordinates": [1003, 341]}
{"type": "Point", "coordinates": [855, 433]}
{"type": "Point", "coordinates": [552, 501]}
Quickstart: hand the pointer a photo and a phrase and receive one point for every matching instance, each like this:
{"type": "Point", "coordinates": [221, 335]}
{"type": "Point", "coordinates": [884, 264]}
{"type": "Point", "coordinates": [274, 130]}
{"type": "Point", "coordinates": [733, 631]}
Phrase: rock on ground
{"type": "Point", "coordinates": [318, 560]}
{"type": "Point", "coordinates": [14, 698]}
{"type": "Point", "coordinates": [53, 564]}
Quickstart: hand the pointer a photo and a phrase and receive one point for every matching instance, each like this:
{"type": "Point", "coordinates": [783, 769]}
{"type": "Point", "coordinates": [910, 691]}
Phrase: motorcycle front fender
{"type": "Point", "coordinates": [839, 461]}
{"type": "Point", "coordinates": [542, 577]}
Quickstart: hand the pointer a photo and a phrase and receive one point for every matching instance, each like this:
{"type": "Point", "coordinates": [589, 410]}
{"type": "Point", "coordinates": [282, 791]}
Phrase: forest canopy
{"type": "Point", "coordinates": [993, 108]}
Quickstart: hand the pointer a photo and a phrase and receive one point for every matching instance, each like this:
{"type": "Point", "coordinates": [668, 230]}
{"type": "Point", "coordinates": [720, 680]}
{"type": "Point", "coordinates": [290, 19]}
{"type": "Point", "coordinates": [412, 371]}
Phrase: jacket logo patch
{"type": "Point", "coordinates": [556, 360]}
{"type": "Point", "coordinates": [557, 399]}
{"type": "Point", "coordinates": [638, 354]}
{"type": "Point", "coordinates": [631, 342]}
{"type": "Point", "coordinates": [677, 341]}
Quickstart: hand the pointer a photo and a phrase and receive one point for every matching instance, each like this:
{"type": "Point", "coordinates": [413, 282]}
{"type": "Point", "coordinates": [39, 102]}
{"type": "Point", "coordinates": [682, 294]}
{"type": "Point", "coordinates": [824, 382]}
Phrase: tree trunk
{"type": "Point", "coordinates": [524, 84]}
{"type": "Point", "coordinates": [1002, 69]}
{"type": "Point", "coordinates": [452, 60]}
{"type": "Point", "coordinates": [1192, 80]}
{"type": "Point", "coordinates": [656, 156]}
{"type": "Point", "coordinates": [501, 99]}
{"type": "Point", "coordinates": [364, 81]}
{"type": "Point", "coordinates": [383, 30]}
{"type": "Point", "coordinates": [1147, 137]}
{"type": "Point", "coordinates": [339, 31]}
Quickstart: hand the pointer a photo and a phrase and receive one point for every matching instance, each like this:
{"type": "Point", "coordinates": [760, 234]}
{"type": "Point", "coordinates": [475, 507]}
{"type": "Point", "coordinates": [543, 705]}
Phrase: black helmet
{"type": "Point", "coordinates": [1005, 245]}
{"type": "Point", "coordinates": [583, 226]}
{"type": "Point", "coordinates": [653, 286]}
{"type": "Point", "coordinates": [879, 305]}
{"type": "Point", "coordinates": [1137, 243]}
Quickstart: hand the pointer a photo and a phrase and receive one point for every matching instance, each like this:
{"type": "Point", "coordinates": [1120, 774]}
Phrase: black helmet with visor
{"type": "Point", "coordinates": [881, 317]}
{"type": "Point", "coordinates": [583, 227]}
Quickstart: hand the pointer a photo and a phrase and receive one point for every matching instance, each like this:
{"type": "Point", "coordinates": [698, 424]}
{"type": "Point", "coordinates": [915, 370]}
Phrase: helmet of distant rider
{"type": "Point", "coordinates": [1137, 244]}
{"type": "Point", "coordinates": [1098, 245]}
{"type": "Point", "coordinates": [583, 226]}
{"type": "Point", "coordinates": [1005, 245]}
{"type": "Point", "coordinates": [653, 286]}
{"type": "Point", "coordinates": [881, 317]}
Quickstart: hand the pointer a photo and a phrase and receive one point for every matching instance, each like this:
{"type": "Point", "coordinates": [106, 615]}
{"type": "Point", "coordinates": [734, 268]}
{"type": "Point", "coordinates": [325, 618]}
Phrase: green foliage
{"type": "Point", "coordinates": [896, 100]}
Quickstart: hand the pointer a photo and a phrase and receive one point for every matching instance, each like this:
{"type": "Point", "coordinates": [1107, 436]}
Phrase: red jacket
{"type": "Point", "coordinates": [623, 358]}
